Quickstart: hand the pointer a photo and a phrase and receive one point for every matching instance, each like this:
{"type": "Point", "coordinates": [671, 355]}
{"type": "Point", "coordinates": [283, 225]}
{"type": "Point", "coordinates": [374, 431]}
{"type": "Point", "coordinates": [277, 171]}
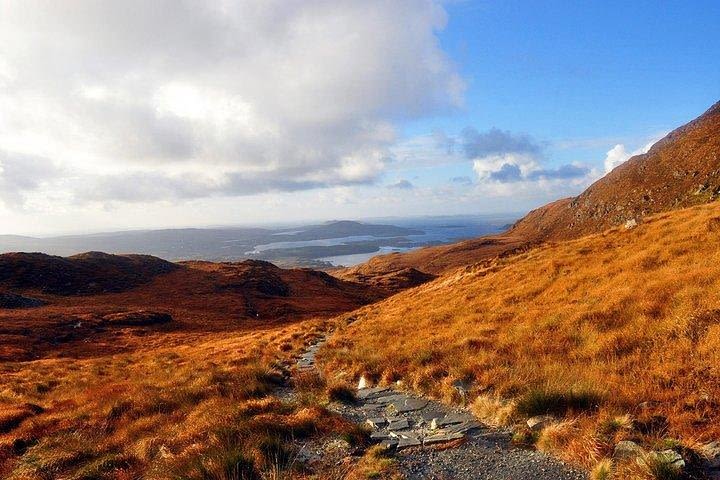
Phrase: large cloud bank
{"type": "Point", "coordinates": [140, 101]}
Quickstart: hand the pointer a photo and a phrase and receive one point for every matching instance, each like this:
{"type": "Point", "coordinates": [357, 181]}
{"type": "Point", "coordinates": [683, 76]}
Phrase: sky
{"type": "Point", "coordinates": [135, 114]}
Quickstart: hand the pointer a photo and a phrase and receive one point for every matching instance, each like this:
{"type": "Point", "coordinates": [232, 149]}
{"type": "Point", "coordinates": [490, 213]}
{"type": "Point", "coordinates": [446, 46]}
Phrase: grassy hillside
{"type": "Point", "coordinates": [681, 170]}
{"type": "Point", "coordinates": [178, 377]}
{"type": "Point", "coordinates": [199, 411]}
{"type": "Point", "coordinates": [615, 334]}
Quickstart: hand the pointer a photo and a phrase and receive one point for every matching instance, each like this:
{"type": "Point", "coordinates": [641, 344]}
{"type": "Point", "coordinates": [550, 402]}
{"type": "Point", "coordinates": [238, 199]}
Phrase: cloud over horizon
{"type": "Point", "coordinates": [506, 157]}
{"type": "Point", "coordinates": [140, 101]}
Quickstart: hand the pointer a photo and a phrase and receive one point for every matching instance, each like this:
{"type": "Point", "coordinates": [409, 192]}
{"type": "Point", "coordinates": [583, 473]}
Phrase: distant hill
{"type": "Point", "coordinates": [681, 170]}
{"type": "Point", "coordinates": [215, 244]}
{"type": "Point", "coordinates": [85, 274]}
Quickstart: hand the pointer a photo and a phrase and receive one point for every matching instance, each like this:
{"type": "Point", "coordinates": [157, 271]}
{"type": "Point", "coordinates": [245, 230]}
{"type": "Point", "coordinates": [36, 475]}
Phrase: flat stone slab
{"type": "Point", "coordinates": [401, 424]}
{"type": "Point", "coordinates": [407, 405]}
{"type": "Point", "coordinates": [463, 427]}
{"type": "Point", "coordinates": [390, 443]}
{"type": "Point", "coordinates": [376, 422]}
{"type": "Point", "coordinates": [390, 398]}
{"type": "Point", "coordinates": [368, 393]}
{"type": "Point", "coordinates": [442, 438]}
{"type": "Point", "coordinates": [429, 415]}
{"type": "Point", "coordinates": [408, 441]}
{"type": "Point", "coordinates": [377, 436]}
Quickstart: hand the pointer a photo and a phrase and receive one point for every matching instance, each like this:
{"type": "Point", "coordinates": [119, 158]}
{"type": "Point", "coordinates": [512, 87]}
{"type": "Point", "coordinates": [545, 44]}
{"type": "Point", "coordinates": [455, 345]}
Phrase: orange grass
{"type": "Point", "coordinates": [204, 410]}
{"type": "Point", "coordinates": [620, 325]}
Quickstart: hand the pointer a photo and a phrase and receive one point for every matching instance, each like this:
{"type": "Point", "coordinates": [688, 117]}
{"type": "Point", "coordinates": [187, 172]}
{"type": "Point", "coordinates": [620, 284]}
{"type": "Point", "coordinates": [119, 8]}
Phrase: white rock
{"type": "Point", "coordinates": [631, 223]}
{"type": "Point", "coordinates": [539, 422]}
{"type": "Point", "coordinates": [363, 383]}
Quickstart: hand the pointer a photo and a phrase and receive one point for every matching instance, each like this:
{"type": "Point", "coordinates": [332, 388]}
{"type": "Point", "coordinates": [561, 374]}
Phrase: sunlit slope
{"type": "Point", "coordinates": [626, 321]}
{"type": "Point", "coordinates": [681, 170]}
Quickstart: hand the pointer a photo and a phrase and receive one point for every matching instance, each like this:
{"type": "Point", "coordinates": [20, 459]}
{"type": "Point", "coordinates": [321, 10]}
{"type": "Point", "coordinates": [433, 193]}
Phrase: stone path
{"type": "Point", "coordinates": [432, 441]}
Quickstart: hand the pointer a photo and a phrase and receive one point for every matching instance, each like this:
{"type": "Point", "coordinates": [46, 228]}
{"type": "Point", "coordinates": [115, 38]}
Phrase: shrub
{"type": "Point", "coordinates": [544, 402]}
{"type": "Point", "coordinates": [602, 471]}
{"type": "Point", "coordinates": [341, 392]}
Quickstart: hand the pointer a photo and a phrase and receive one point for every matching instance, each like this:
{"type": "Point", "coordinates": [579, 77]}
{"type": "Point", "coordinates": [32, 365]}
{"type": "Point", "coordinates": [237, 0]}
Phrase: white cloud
{"type": "Point", "coordinates": [619, 154]}
{"type": "Point", "coordinates": [144, 101]}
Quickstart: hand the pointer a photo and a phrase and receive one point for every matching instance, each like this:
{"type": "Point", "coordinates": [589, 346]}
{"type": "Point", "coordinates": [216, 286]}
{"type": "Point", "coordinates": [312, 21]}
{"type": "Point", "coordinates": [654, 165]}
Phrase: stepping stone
{"type": "Point", "coordinates": [368, 393]}
{"type": "Point", "coordinates": [376, 422]}
{"type": "Point", "coordinates": [399, 424]}
{"type": "Point", "coordinates": [390, 443]}
{"type": "Point", "coordinates": [407, 405]}
{"type": "Point", "coordinates": [408, 441]}
{"type": "Point", "coordinates": [384, 400]}
{"type": "Point", "coordinates": [464, 427]}
{"type": "Point", "coordinates": [442, 438]}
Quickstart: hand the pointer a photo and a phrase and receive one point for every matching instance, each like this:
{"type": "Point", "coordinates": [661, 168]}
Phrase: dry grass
{"type": "Point", "coordinates": [204, 410]}
{"type": "Point", "coordinates": [617, 332]}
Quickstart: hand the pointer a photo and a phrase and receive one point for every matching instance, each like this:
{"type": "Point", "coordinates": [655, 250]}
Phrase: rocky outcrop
{"type": "Point", "coordinates": [13, 301]}
{"type": "Point", "coordinates": [681, 170]}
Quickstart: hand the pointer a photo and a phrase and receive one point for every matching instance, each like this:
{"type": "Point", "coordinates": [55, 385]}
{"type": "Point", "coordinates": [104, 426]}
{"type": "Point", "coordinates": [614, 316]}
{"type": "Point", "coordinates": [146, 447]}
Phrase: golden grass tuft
{"type": "Point", "coordinates": [618, 331]}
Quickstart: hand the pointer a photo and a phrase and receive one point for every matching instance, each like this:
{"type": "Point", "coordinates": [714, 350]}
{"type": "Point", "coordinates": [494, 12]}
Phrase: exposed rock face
{"type": "Point", "coordinates": [12, 301]}
{"type": "Point", "coordinates": [86, 274]}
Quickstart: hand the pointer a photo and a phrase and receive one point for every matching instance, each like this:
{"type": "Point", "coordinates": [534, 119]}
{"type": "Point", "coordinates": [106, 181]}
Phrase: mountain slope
{"type": "Point", "coordinates": [681, 170]}
{"type": "Point", "coordinates": [621, 323]}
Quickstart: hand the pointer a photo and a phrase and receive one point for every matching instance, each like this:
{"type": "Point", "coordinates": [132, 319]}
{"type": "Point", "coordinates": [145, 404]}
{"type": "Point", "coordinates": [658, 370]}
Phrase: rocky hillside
{"type": "Point", "coordinates": [681, 170]}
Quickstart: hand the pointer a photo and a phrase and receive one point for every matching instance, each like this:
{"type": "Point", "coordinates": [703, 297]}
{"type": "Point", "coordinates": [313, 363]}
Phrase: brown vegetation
{"type": "Point", "coordinates": [174, 377]}
{"type": "Point", "coordinates": [616, 333]}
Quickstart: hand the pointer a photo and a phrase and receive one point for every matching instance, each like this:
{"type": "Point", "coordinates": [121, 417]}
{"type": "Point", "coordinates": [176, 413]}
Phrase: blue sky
{"type": "Point", "coordinates": [597, 73]}
{"type": "Point", "coordinates": [119, 115]}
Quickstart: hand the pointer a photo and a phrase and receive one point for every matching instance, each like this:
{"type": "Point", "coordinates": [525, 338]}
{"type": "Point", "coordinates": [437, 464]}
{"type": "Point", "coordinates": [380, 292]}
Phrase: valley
{"type": "Point", "coordinates": [580, 341]}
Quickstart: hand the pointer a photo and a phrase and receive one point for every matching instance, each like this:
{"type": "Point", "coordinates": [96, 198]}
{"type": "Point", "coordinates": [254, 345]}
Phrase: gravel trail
{"type": "Point", "coordinates": [433, 441]}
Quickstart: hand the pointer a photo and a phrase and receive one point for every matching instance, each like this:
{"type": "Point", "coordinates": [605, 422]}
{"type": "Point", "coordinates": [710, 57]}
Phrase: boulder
{"type": "Point", "coordinates": [627, 449]}
{"type": "Point", "coordinates": [539, 422]}
{"type": "Point", "coordinates": [668, 457]}
{"type": "Point", "coordinates": [711, 452]}
{"type": "Point", "coordinates": [630, 224]}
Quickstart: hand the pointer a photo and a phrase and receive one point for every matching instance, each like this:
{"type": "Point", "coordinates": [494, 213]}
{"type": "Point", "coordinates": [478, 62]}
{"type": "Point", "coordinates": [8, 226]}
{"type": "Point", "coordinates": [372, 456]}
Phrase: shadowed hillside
{"type": "Point", "coordinates": [85, 274]}
{"type": "Point", "coordinates": [126, 367]}
{"type": "Point", "coordinates": [199, 296]}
